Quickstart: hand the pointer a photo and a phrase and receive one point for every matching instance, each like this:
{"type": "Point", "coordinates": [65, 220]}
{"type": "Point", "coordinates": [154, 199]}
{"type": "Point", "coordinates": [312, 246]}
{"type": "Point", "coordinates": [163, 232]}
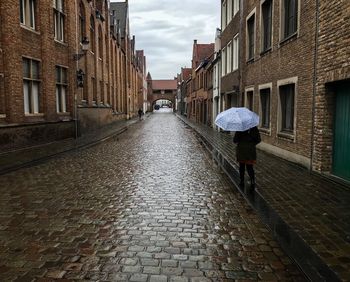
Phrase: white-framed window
{"type": "Point", "coordinates": [251, 36]}
{"type": "Point", "coordinates": [229, 11]}
{"type": "Point", "coordinates": [289, 18]}
{"type": "Point", "coordinates": [266, 25]}
{"type": "Point", "coordinates": [223, 62]}
{"type": "Point", "coordinates": [229, 57]}
{"type": "Point", "coordinates": [235, 53]}
{"type": "Point", "coordinates": [61, 89]}
{"type": "Point", "coordinates": [235, 7]}
{"type": "Point", "coordinates": [223, 15]}
{"type": "Point", "coordinates": [59, 19]}
{"type": "Point", "coordinates": [31, 86]}
{"type": "Point", "coordinates": [27, 13]}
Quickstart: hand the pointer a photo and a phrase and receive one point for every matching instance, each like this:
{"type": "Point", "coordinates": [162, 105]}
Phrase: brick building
{"type": "Point", "coordinates": [331, 136]}
{"type": "Point", "coordinates": [199, 105]}
{"type": "Point", "coordinates": [277, 62]}
{"type": "Point", "coordinates": [229, 38]}
{"type": "Point", "coordinates": [66, 68]}
{"type": "Point", "coordinates": [161, 89]}
{"type": "Point", "coordinates": [294, 72]}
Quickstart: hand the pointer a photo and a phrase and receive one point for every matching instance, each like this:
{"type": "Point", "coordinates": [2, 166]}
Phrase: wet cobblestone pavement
{"type": "Point", "coordinates": [148, 206]}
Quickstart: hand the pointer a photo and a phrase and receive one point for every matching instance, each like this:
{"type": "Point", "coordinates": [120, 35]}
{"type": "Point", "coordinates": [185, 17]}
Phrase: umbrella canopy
{"type": "Point", "coordinates": [237, 119]}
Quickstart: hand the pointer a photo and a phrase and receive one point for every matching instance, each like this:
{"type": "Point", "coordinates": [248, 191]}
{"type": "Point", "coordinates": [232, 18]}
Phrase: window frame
{"type": "Point", "coordinates": [265, 48]}
{"type": "Point", "coordinates": [27, 13]}
{"type": "Point", "coordinates": [59, 21]}
{"type": "Point", "coordinates": [31, 101]}
{"type": "Point", "coordinates": [247, 90]}
{"type": "Point", "coordinates": [235, 52]}
{"type": "Point", "coordinates": [283, 34]}
{"type": "Point", "coordinates": [262, 88]}
{"type": "Point", "coordinates": [61, 104]}
{"type": "Point", "coordinates": [250, 39]}
{"type": "Point", "coordinates": [283, 132]}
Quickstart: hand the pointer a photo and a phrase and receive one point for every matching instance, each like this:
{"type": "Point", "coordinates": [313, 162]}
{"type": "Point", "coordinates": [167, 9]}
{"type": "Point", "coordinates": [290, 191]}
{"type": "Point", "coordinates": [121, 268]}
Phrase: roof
{"type": "Point", "coordinates": [201, 52]}
{"type": "Point", "coordinates": [120, 11]}
{"type": "Point", "coordinates": [164, 84]}
{"type": "Point", "coordinates": [185, 73]}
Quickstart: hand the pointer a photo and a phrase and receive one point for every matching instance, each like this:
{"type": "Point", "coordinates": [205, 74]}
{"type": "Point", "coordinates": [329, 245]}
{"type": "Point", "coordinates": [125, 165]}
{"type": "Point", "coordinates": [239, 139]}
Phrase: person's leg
{"type": "Point", "coordinates": [241, 174]}
{"type": "Point", "coordinates": [250, 170]}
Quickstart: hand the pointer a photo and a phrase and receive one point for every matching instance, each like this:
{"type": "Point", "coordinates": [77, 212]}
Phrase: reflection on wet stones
{"type": "Point", "coordinates": [148, 206]}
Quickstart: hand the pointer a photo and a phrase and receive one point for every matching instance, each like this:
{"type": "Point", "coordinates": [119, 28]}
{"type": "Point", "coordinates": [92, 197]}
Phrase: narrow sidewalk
{"type": "Point", "coordinates": [22, 157]}
{"type": "Point", "coordinates": [307, 213]}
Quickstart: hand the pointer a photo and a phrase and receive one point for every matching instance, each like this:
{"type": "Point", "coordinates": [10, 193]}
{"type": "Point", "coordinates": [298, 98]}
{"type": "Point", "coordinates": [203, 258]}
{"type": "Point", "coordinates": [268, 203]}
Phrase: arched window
{"type": "Point", "coordinates": [92, 33]}
{"type": "Point", "coordinates": [100, 43]}
{"type": "Point", "coordinates": [82, 31]}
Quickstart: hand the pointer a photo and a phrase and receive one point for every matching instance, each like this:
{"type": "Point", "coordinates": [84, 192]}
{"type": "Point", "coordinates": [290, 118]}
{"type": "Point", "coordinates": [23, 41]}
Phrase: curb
{"type": "Point", "coordinates": [295, 247]}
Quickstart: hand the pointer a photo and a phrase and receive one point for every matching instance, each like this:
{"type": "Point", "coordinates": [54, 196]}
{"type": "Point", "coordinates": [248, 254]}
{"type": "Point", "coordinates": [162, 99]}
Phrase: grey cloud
{"type": "Point", "coordinates": [165, 30]}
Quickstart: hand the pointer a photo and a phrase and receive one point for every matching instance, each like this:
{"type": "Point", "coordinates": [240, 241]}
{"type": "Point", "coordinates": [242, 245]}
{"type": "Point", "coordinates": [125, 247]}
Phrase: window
{"type": "Point", "coordinates": [287, 93]}
{"type": "Point", "coordinates": [265, 107]}
{"type": "Point", "coordinates": [223, 15]}
{"type": "Point", "coordinates": [94, 92]}
{"type": "Point", "coordinates": [59, 20]}
{"type": "Point", "coordinates": [229, 57]}
{"type": "Point", "coordinates": [31, 85]}
{"type": "Point", "coordinates": [266, 24]}
{"type": "Point", "coordinates": [2, 95]}
{"type": "Point", "coordinates": [27, 13]}
{"type": "Point", "coordinates": [235, 53]}
{"type": "Point", "coordinates": [229, 11]}
{"type": "Point", "coordinates": [92, 33]}
{"type": "Point", "coordinates": [223, 64]}
{"type": "Point", "coordinates": [290, 17]}
{"type": "Point", "coordinates": [82, 32]}
{"type": "Point", "coordinates": [251, 36]}
{"type": "Point", "coordinates": [235, 7]}
{"type": "Point", "coordinates": [102, 92]}
{"type": "Point", "coordinates": [61, 89]}
{"type": "Point", "coordinates": [249, 101]}
{"type": "Point", "coordinates": [100, 43]}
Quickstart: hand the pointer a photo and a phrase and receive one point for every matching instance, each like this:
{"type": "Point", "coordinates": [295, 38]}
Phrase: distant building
{"type": "Point", "coordinates": [163, 89]}
{"type": "Point", "coordinates": [198, 103]}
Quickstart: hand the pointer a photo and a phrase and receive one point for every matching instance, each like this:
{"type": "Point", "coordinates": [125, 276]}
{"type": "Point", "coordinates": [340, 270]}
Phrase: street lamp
{"type": "Point", "coordinates": [85, 44]}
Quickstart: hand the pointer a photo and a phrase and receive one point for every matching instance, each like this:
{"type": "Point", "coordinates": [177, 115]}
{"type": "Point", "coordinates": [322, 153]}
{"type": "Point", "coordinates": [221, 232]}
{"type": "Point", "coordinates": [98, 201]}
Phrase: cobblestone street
{"type": "Point", "coordinates": [149, 205]}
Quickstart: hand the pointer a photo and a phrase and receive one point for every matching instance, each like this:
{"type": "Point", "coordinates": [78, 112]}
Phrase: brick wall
{"type": "Point", "coordinates": [333, 66]}
{"type": "Point", "coordinates": [108, 69]}
{"type": "Point", "coordinates": [293, 58]}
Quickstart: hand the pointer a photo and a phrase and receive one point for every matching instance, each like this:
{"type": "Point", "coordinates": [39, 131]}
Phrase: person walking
{"type": "Point", "coordinates": [246, 153]}
{"type": "Point", "coordinates": [140, 113]}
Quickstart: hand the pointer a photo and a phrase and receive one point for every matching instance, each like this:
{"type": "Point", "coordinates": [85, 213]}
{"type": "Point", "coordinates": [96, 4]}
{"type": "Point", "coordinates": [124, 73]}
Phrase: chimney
{"type": "Point", "coordinates": [195, 41]}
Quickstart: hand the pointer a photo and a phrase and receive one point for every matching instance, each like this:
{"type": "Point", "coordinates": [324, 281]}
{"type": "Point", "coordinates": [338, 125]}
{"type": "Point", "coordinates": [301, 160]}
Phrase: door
{"type": "Point", "coordinates": [341, 149]}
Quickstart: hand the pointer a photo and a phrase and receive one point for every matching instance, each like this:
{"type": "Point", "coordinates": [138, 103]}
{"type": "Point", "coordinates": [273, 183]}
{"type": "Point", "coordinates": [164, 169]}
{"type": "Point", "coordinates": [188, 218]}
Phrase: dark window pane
{"type": "Point", "coordinates": [267, 22]}
{"type": "Point", "coordinates": [35, 69]}
{"type": "Point", "coordinates": [265, 108]}
{"type": "Point", "coordinates": [251, 33]}
{"type": "Point", "coordinates": [287, 107]}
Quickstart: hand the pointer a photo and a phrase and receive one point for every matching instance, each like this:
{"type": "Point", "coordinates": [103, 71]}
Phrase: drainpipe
{"type": "Point", "coordinates": [77, 67]}
{"type": "Point", "coordinates": [314, 83]}
{"type": "Point", "coordinates": [240, 65]}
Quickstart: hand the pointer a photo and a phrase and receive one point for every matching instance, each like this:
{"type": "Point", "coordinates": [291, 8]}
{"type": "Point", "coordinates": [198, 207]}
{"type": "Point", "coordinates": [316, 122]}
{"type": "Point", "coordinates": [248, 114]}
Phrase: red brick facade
{"type": "Point", "coordinates": [30, 39]}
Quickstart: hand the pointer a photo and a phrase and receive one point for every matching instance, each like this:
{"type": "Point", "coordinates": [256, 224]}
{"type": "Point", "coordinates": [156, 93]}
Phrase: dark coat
{"type": "Point", "coordinates": [246, 142]}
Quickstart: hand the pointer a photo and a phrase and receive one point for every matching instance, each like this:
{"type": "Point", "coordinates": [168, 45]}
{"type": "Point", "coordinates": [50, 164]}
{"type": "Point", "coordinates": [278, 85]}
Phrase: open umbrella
{"type": "Point", "coordinates": [237, 119]}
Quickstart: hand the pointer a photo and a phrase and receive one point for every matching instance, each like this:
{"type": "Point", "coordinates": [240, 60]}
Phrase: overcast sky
{"type": "Point", "coordinates": [165, 30]}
